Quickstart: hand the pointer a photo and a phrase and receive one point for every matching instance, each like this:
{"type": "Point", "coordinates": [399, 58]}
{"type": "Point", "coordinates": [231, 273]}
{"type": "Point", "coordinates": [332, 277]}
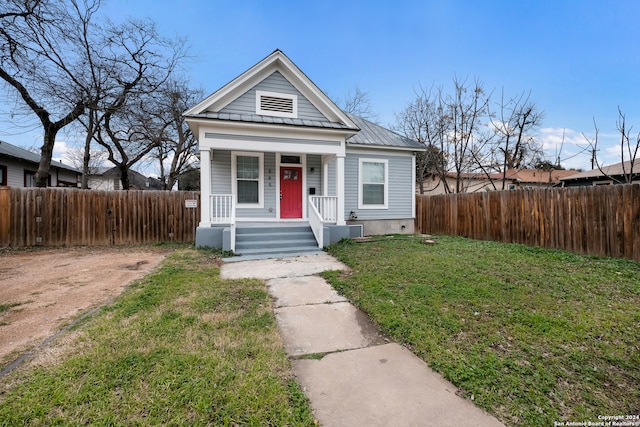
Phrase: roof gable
{"type": "Point", "coordinates": [275, 83]}
{"type": "Point", "coordinates": [261, 73]}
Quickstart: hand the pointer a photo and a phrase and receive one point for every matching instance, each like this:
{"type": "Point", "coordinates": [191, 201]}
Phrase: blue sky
{"type": "Point", "coordinates": [579, 59]}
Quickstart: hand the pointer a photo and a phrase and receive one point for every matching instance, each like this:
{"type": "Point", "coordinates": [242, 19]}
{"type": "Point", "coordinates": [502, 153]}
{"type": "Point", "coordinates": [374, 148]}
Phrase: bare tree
{"type": "Point", "coordinates": [513, 125]}
{"type": "Point", "coordinates": [175, 149]}
{"type": "Point", "coordinates": [423, 121]}
{"type": "Point", "coordinates": [139, 63]}
{"type": "Point", "coordinates": [40, 59]}
{"type": "Point", "coordinates": [465, 143]}
{"type": "Point", "coordinates": [629, 147]}
{"type": "Point", "coordinates": [358, 103]}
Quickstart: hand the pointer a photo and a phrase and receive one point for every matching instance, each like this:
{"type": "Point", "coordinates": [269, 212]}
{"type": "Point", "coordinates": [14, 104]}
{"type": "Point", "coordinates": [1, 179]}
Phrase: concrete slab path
{"type": "Point", "coordinates": [356, 377]}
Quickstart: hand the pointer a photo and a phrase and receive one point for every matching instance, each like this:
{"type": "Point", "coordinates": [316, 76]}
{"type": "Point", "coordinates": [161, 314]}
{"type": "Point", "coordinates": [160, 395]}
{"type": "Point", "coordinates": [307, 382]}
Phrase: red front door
{"type": "Point", "coordinates": [290, 192]}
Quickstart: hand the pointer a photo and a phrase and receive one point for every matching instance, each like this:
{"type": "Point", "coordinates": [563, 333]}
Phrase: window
{"type": "Point", "coordinates": [276, 104]}
{"type": "Point", "coordinates": [248, 179]}
{"type": "Point", "coordinates": [29, 179]}
{"type": "Point", "coordinates": [3, 176]}
{"type": "Point", "coordinates": [294, 160]}
{"type": "Point", "coordinates": [373, 177]}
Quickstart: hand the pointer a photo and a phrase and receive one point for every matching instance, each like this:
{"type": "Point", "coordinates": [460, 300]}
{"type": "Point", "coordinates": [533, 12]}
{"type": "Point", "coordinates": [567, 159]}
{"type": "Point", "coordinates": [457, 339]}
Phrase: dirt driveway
{"type": "Point", "coordinates": [43, 290]}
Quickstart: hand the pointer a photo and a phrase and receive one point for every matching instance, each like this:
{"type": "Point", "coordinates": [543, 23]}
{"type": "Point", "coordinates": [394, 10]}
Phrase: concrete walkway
{"type": "Point", "coordinates": [356, 377]}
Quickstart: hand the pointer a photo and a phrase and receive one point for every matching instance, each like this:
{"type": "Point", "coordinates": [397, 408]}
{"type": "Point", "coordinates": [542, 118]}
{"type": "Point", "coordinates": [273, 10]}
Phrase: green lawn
{"type": "Point", "coordinates": [180, 347]}
{"type": "Point", "coordinates": [531, 335]}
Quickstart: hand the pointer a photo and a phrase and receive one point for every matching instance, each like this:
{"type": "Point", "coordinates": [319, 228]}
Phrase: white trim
{"type": "Point", "coordinates": [412, 190]}
{"type": "Point", "coordinates": [361, 205]}
{"type": "Point", "coordinates": [205, 187]}
{"type": "Point", "coordinates": [260, 111]}
{"type": "Point", "coordinates": [234, 179]}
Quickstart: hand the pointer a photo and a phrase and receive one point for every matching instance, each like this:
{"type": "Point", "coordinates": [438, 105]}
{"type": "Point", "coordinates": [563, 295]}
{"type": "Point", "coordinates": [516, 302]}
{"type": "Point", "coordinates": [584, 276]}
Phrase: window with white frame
{"type": "Point", "coordinates": [248, 179]}
{"type": "Point", "coordinates": [373, 178]}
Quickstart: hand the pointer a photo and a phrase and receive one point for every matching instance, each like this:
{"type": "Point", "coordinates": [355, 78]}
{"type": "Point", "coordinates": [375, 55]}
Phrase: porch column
{"type": "Point", "coordinates": [205, 188]}
{"type": "Point", "coordinates": [340, 189]}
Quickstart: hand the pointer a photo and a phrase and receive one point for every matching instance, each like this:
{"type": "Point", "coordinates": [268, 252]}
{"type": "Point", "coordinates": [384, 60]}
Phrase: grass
{"type": "Point", "coordinates": [531, 335]}
{"type": "Point", "coordinates": [180, 347]}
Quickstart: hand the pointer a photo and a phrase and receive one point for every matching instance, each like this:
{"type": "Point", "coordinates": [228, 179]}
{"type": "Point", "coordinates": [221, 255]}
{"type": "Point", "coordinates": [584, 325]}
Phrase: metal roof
{"type": "Point", "coordinates": [616, 169]}
{"type": "Point", "coordinates": [255, 118]}
{"type": "Point", "coordinates": [377, 136]}
{"type": "Point", "coordinates": [369, 133]}
{"type": "Point", "coordinates": [18, 153]}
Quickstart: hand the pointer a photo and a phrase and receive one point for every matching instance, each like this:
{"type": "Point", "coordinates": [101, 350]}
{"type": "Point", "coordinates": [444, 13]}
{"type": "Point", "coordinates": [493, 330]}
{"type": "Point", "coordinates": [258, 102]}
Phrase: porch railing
{"type": "Point", "coordinates": [223, 211]}
{"type": "Point", "coordinates": [327, 207]}
{"type": "Point", "coordinates": [322, 210]}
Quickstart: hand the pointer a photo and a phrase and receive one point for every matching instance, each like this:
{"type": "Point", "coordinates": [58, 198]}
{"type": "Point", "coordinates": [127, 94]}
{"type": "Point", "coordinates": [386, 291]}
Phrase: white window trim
{"type": "Point", "coordinates": [260, 111]}
{"type": "Point", "coordinates": [361, 205]}
{"type": "Point", "coordinates": [234, 178]}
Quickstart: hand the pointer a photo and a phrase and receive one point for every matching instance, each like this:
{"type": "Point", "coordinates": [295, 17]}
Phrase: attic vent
{"type": "Point", "coordinates": [276, 104]}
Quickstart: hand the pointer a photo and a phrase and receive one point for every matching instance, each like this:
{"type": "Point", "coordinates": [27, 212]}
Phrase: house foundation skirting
{"type": "Point", "coordinates": [385, 226]}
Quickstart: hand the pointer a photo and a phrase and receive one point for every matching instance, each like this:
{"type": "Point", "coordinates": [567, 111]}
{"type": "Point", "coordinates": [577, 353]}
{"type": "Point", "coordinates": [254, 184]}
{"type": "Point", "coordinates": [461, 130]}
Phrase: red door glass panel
{"type": "Point", "coordinates": [290, 192]}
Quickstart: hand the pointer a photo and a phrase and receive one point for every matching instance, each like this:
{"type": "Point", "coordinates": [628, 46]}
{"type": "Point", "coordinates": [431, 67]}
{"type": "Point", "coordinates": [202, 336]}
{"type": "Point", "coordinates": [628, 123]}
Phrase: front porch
{"type": "Point", "coordinates": [273, 238]}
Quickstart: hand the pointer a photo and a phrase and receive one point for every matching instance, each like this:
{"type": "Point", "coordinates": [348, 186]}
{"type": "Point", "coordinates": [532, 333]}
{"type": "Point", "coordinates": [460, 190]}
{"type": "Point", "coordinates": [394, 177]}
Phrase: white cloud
{"type": "Point", "coordinates": [576, 151]}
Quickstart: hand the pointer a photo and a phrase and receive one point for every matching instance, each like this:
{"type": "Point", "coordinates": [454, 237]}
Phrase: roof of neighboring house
{"type": "Point", "coordinates": [136, 179]}
{"type": "Point", "coordinates": [375, 135]}
{"type": "Point", "coordinates": [537, 175]}
{"type": "Point", "coordinates": [617, 169]}
{"type": "Point", "coordinates": [18, 153]}
{"type": "Point", "coordinates": [531, 176]}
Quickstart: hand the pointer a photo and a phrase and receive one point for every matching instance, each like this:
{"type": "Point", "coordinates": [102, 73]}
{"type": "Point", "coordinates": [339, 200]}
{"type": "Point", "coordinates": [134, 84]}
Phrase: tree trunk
{"type": "Point", "coordinates": [42, 174]}
{"type": "Point", "coordinates": [87, 153]}
{"type": "Point", "coordinates": [124, 176]}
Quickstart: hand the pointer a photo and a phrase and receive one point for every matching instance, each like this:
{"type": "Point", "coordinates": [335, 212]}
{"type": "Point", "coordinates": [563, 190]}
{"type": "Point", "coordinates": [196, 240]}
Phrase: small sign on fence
{"type": "Point", "coordinates": [191, 203]}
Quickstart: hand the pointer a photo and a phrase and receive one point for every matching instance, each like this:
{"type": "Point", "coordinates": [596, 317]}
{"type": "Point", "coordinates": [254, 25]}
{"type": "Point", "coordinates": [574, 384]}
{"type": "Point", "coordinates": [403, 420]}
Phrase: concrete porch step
{"type": "Point", "coordinates": [269, 239]}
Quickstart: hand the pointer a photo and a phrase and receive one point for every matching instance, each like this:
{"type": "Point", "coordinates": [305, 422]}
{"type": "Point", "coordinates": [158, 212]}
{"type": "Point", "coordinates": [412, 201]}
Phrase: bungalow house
{"type": "Point", "coordinates": [18, 168]}
{"type": "Point", "coordinates": [284, 169]}
{"type": "Point", "coordinates": [513, 179]}
{"type": "Point", "coordinates": [618, 173]}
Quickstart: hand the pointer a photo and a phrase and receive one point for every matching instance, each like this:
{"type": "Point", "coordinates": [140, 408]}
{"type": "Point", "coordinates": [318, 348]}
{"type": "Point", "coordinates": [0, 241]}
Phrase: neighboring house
{"type": "Point", "coordinates": [274, 149]}
{"type": "Point", "coordinates": [514, 179]}
{"type": "Point", "coordinates": [18, 168]}
{"type": "Point", "coordinates": [109, 179]}
{"type": "Point", "coordinates": [618, 173]}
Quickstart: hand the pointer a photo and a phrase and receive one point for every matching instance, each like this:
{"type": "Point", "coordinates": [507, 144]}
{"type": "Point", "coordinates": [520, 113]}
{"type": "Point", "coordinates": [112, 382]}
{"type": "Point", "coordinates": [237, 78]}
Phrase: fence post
{"type": "Point", "coordinates": [5, 220]}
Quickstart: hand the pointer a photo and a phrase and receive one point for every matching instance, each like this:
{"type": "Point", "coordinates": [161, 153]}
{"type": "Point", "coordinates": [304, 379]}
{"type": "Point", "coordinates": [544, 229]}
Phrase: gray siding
{"type": "Point", "coordinates": [314, 179]}
{"type": "Point", "coordinates": [400, 188]}
{"type": "Point", "coordinates": [276, 82]}
{"type": "Point", "coordinates": [331, 183]}
{"type": "Point", "coordinates": [16, 170]}
{"type": "Point", "coordinates": [221, 172]}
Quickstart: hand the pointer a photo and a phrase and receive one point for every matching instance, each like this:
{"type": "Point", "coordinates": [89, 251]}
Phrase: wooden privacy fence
{"type": "Point", "coordinates": [600, 220]}
{"type": "Point", "coordinates": [70, 217]}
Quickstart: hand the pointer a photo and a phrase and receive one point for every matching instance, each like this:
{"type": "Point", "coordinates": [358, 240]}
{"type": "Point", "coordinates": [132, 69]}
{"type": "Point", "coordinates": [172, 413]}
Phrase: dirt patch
{"type": "Point", "coordinates": [41, 291]}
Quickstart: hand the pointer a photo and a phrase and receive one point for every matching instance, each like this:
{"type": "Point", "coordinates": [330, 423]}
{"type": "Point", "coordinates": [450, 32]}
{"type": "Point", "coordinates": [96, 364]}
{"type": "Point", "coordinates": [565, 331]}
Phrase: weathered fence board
{"type": "Point", "coordinates": [71, 217]}
{"type": "Point", "coordinates": [600, 220]}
